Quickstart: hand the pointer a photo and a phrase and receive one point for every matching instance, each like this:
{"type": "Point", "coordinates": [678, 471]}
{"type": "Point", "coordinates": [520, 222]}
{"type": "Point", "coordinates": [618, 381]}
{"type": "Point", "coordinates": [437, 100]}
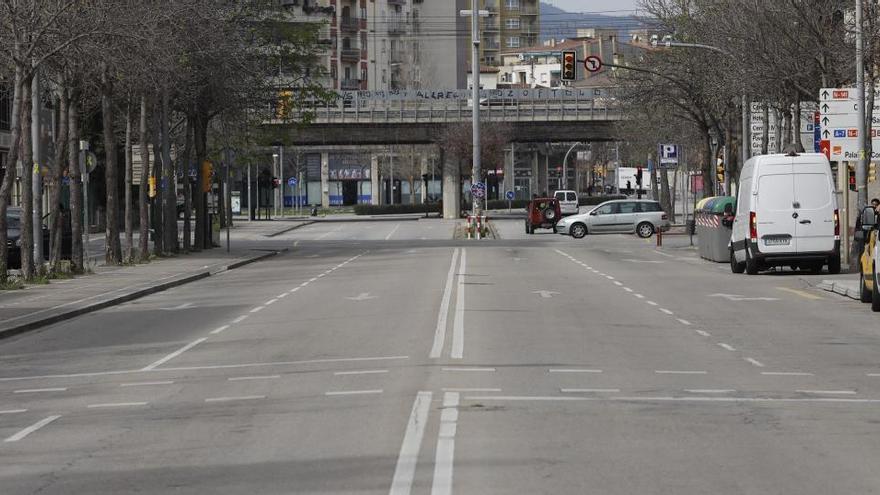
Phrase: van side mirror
{"type": "Point", "coordinates": [869, 218]}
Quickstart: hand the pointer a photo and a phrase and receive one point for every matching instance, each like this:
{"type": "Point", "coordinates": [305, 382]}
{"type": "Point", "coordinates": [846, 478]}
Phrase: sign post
{"type": "Point", "coordinates": [509, 195]}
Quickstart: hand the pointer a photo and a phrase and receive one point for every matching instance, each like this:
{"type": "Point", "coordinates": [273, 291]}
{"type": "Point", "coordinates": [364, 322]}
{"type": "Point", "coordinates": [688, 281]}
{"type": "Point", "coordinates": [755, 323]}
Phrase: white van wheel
{"type": "Point", "coordinates": [736, 266]}
{"type": "Point", "coordinates": [751, 264]}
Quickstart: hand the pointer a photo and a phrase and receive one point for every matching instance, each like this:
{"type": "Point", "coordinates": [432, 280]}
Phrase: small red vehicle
{"type": "Point", "coordinates": [543, 213]}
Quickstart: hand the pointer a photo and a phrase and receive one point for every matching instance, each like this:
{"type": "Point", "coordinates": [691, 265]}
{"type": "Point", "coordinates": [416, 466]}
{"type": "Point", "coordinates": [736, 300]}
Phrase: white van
{"type": "Point", "coordinates": [786, 215]}
{"type": "Point", "coordinates": [568, 202]}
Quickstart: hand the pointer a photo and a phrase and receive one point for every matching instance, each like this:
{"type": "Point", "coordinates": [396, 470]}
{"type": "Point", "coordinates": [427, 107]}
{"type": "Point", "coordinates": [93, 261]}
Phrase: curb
{"type": "Point", "coordinates": [284, 231]}
{"type": "Point", "coordinates": [131, 296]}
{"type": "Point", "coordinates": [839, 288]}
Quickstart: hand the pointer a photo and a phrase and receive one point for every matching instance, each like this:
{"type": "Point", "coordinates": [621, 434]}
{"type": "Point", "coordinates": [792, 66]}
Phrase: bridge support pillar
{"type": "Point", "coordinates": [451, 187]}
{"type": "Point", "coordinates": [325, 179]}
{"type": "Point", "coordinates": [374, 180]}
{"type": "Point", "coordinates": [423, 170]}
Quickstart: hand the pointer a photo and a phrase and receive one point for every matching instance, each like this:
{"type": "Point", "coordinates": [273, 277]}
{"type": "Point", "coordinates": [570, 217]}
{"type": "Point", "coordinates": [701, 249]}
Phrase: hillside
{"type": "Point", "coordinates": [557, 23]}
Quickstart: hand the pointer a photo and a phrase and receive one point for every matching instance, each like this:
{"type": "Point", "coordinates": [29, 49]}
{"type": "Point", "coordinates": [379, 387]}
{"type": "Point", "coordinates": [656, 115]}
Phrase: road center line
{"type": "Point", "coordinates": [242, 378]}
{"type": "Point", "coordinates": [38, 390]}
{"type": "Point", "coordinates": [710, 390]}
{"type": "Point", "coordinates": [174, 354]}
{"type": "Point", "coordinates": [827, 392]}
{"type": "Point", "coordinates": [229, 399]}
{"type": "Point", "coordinates": [404, 471]}
{"type": "Point", "coordinates": [469, 369]}
{"type": "Point", "coordinates": [116, 404]}
{"type": "Point", "coordinates": [146, 384]}
{"type": "Point", "coordinates": [362, 372]}
{"type": "Point", "coordinates": [589, 390]}
{"type": "Point", "coordinates": [785, 373]}
{"type": "Point", "coordinates": [32, 428]}
{"type": "Point", "coordinates": [455, 389]}
{"type": "Point", "coordinates": [353, 392]}
{"type": "Point", "coordinates": [444, 456]}
{"type": "Point", "coordinates": [572, 370]}
{"type": "Point", "coordinates": [673, 372]}
{"type": "Point", "coordinates": [440, 330]}
{"type": "Point", "coordinates": [458, 323]}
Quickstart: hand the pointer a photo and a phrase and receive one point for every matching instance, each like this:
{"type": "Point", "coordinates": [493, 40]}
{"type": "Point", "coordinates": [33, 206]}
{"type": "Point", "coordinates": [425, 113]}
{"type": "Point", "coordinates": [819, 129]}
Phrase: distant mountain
{"type": "Point", "coordinates": [557, 23]}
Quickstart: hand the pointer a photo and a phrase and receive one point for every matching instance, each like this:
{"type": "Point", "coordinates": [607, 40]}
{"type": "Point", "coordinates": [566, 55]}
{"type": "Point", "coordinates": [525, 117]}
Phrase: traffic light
{"type": "Point", "coordinates": [872, 172]}
{"type": "Point", "coordinates": [569, 66]}
{"type": "Point", "coordinates": [852, 178]}
{"type": "Point", "coordinates": [639, 177]}
{"type": "Point", "coordinates": [719, 171]}
{"type": "Point", "coordinates": [152, 184]}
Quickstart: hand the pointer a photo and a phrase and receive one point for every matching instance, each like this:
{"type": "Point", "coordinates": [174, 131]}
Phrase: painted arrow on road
{"type": "Point", "coordinates": [737, 297]}
{"type": "Point", "coordinates": [546, 294]}
{"type": "Point", "coordinates": [363, 296]}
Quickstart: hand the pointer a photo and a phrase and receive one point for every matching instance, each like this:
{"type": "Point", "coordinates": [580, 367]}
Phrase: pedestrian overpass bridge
{"type": "Point", "coordinates": [419, 116]}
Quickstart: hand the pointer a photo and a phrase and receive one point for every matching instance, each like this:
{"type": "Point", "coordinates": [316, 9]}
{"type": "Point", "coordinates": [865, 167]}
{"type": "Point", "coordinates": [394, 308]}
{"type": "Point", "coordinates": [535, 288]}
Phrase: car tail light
{"type": "Point", "coordinates": [664, 217]}
{"type": "Point", "coordinates": [753, 226]}
{"type": "Point", "coordinates": [836, 225]}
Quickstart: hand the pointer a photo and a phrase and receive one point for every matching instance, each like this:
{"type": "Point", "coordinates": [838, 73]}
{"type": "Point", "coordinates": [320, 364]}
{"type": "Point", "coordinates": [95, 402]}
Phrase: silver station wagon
{"type": "Point", "coordinates": [644, 217]}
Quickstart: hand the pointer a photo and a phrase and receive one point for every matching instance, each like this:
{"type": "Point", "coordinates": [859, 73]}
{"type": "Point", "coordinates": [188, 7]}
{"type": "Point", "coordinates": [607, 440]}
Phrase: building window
{"type": "Point", "coordinates": [511, 4]}
{"type": "Point", "coordinates": [513, 42]}
{"type": "Point", "coordinates": [384, 76]}
{"type": "Point", "coordinates": [511, 23]}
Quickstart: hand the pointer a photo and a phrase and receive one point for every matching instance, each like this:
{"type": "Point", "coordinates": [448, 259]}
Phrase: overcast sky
{"type": "Point", "coordinates": [595, 5]}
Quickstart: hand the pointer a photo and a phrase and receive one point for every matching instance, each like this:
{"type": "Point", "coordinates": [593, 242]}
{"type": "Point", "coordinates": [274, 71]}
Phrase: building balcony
{"type": "Point", "coordinates": [397, 2]}
{"type": "Point", "coordinates": [349, 24]}
{"type": "Point", "coordinates": [490, 26]}
{"type": "Point", "coordinates": [396, 57]}
{"type": "Point", "coordinates": [352, 54]}
{"type": "Point", "coordinates": [350, 84]}
{"type": "Point", "coordinates": [397, 26]}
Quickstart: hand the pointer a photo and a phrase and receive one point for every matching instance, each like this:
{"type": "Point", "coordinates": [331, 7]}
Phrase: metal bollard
{"type": "Point", "coordinates": [659, 238]}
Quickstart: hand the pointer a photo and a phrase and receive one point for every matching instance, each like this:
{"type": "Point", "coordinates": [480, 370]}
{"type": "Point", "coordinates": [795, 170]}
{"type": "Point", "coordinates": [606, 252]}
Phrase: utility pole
{"type": "Point", "coordinates": [475, 13]}
{"type": "Point", "coordinates": [862, 166]}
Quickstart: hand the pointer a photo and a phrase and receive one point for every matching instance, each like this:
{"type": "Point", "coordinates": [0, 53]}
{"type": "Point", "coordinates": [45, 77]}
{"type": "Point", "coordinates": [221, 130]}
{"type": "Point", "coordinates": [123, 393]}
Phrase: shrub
{"type": "Point", "coordinates": [365, 209]}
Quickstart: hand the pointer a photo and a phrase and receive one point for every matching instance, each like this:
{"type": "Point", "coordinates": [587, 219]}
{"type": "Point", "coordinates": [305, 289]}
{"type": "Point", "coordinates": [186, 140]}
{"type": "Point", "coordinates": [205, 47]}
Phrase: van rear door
{"type": "Point", "coordinates": [814, 207]}
{"type": "Point", "coordinates": [774, 211]}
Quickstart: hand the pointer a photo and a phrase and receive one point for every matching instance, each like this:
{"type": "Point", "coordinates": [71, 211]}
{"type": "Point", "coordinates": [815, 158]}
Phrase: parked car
{"type": "Point", "coordinates": [642, 216]}
{"type": "Point", "coordinates": [568, 202]}
{"type": "Point", "coordinates": [13, 238]}
{"type": "Point", "coordinates": [543, 213]}
{"type": "Point", "coordinates": [786, 215]}
{"type": "Point", "coordinates": [869, 292]}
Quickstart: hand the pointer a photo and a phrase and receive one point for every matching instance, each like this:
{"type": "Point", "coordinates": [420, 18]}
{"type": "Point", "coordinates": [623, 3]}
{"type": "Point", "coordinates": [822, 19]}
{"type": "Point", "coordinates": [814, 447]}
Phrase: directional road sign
{"type": "Point", "coordinates": [479, 190]}
{"type": "Point", "coordinates": [839, 124]}
{"type": "Point", "coordinates": [291, 181]}
{"type": "Point", "coordinates": [593, 63]}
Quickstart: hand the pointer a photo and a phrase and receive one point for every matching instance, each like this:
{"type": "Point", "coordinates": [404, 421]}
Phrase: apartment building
{"type": "Point", "coordinates": [511, 24]}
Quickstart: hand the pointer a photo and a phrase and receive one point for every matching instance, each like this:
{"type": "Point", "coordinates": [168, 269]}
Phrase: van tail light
{"type": "Point", "coordinates": [753, 226]}
{"type": "Point", "coordinates": [836, 225]}
{"type": "Point", "coordinates": [664, 217]}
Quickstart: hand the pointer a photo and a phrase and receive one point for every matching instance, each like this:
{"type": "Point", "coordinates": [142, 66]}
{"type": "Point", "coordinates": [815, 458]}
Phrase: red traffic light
{"type": "Point", "coordinates": [569, 61]}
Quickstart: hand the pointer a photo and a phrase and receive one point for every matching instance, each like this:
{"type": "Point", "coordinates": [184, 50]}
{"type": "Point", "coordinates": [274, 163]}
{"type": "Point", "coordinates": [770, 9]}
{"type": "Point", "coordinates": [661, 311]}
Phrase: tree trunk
{"type": "Point", "coordinates": [76, 186]}
{"type": "Point", "coordinates": [129, 179]}
{"type": "Point", "coordinates": [665, 198]}
{"type": "Point", "coordinates": [796, 126]}
{"type": "Point", "coordinates": [113, 248]}
{"type": "Point", "coordinates": [158, 209]}
{"type": "Point", "coordinates": [169, 192]}
{"type": "Point", "coordinates": [26, 182]}
{"type": "Point", "coordinates": [786, 141]}
{"type": "Point", "coordinates": [187, 187]}
{"type": "Point", "coordinates": [57, 183]}
{"type": "Point", "coordinates": [143, 197]}
{"type": "Point", "coordinates": [9, 175]}
{"type": "Point", "coordinates": [200, 138]}
{"type": "Point", "coordinates": [708, 165]}
{"type": "Point", "coordinates": [765, 135]}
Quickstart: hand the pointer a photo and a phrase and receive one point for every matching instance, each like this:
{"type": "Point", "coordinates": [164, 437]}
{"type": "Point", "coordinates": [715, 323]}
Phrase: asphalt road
{"type": "Point", "coordinates": [383, 357]}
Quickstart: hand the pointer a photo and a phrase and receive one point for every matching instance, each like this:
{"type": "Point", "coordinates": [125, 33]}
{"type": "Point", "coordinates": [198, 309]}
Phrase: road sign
{"type": "Point", "coordinates": [668, 155]}
{"type": "Point", "coordinates": [593, 63]}
{"type": "Point", "coordinates": [292, 181]}
{"type": "Point", "coordinates": [509, 195]}
{"type": "Point", "coordinates": [479, 190]}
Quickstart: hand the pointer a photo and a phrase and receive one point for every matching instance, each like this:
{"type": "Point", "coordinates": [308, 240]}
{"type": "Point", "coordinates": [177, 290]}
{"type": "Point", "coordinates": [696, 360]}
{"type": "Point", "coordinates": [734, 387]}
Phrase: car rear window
{"type": "Point", "coordinates": [559, 195]}
{"type": "Point", "coordinates": [649, 206]}
{"type": "Point", "coordinates": [571, 196]}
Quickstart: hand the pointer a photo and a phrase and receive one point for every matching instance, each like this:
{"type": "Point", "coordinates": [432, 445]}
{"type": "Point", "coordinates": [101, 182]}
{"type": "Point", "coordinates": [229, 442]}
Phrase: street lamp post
{"type": "Point", "coordinates": [475, 15]}
{"type": "Point", "coordinates": [565, 165]}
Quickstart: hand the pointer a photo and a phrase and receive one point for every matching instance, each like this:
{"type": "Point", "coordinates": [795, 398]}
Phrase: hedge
{"type": "Point", "coordinates": [365, 209]}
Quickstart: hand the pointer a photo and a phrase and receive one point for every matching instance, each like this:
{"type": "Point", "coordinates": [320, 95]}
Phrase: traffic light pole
{"type": "Point", "coordinates": [864, 127]}
{"type": "Point", "coordinates": [475, 15]}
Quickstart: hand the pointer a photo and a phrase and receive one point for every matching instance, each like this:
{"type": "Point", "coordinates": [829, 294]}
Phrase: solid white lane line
{"type": "Point", "coordinates": [363, 372]}
{"type": "Point", "coordinates": [684, 322]}
{"type": "Point", "coordinates": [703, 333]}
{"type": "Point", "coordinates": [278, 363]}
{"type": "Point", "coordinates": [353, 392]}
{"type": "Point", "coordinates": [32, 428]}
{"type": "Point", "coordinates": [258, 309]}
{"type": "Point", "coordinates": [573, 370]}
{"type": "Point", "coordinates": [674, 372]}
{"type": "Point", "coordinates": [407, 459]}
{"type": "Point", "coordinates": [458, 389]}
{"type": "Point", "coordinates": [116, 404]}
{"type": "Point", "coordinates": [562, 398]}
{"type": "Point", "coordinates": [282, 295]}
{"type": "Point", "coordinates": [652, 303]}
{"type": "Point", "coordinates": [271, 302]}
{"type": "Point", "coordinates": [146, 384]}
{"type": "Point", "coordinates": [174, 354]}
{"type": "Point", "coordinates": [755, 362]}
{"type": "Point", "coordinates": [589, 390]}
{"type": "Point", "coordinates": [388, 237]}
{"type": "Point", "coordinates": [240, 319]}
{"type": "Point", "coordinates": [469, 369]}
{"type": "Point", "coordinates": [727, 347]}
{"type": "Point", "coordinates": [229, 399]}
{"type": "Point", "coordinates": [664, 310]}
{"type": "Point", "coordinates": [243, 378]}
{"type": "Point", "coordinates": [710, 390]}
{"type": "Point", "coordinates": [38, 390]}
{"type": "Point", "coordinates": [827, 392]}
{"type": "Point", "coordinates": [785, 373]}
{"type": "Point", "coordinates": [440, 330]}
{"type": "Point", "coordinates": [445, 453]}
{"type": "Point", "coordinates": [13, 411]}
{"type": "Point", "coordinates": [458, 323]}
{"type": "Point", "coordinates": [313, 279]}
{"type": "Point", "coordinates": [219, 330]}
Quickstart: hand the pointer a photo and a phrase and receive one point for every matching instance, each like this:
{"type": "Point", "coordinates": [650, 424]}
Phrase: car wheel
{"type": "Point", "coordinates": [864, 295]}
{"type": "Point", "coordinates": [875, 295]}
{"type": "Point", "coordinates": [735, 266]}
{"type": "Point", "coordinates": [751, 263]}
{"type": "Point", "coordinates": [645, 230]}
{"type": "Point", "coordinates": [578, 230]}
{"type": "Point", "coordinates": [834, 265]}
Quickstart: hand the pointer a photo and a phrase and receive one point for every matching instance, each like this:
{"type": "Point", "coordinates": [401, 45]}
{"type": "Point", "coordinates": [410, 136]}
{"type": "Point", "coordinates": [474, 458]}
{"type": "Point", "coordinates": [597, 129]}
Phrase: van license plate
{"type": "Point", "coordinates": [777, 241]}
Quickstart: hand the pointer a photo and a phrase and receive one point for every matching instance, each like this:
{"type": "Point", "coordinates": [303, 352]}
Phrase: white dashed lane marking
{"type": "Point", "coordinates": [755, 362]}
{"type": "Point", "coordinates": [30, 429]}
{"type": "Point", "coordinates": [727, 347]}
{"type": "Point", "coordinates": [39, 390]}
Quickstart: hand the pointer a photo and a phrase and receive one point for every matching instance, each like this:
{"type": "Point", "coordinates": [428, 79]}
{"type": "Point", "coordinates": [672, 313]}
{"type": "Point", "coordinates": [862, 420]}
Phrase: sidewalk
{"type": "Point", "coordinates": [40, 305]}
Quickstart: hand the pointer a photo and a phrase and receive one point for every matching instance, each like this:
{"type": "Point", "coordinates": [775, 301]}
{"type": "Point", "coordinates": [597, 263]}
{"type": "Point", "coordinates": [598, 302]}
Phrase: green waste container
{"type": "Point", "coordinates": [713, 236]}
